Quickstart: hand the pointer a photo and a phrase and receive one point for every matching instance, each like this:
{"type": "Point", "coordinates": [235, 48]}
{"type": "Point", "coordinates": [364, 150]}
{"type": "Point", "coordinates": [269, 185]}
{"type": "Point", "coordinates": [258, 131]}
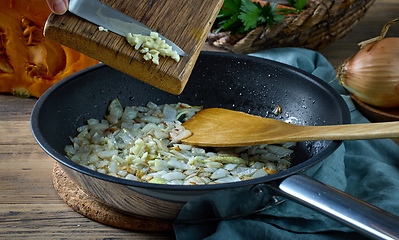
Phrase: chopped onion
{"type": "Point", "coordinates": [141, 143]}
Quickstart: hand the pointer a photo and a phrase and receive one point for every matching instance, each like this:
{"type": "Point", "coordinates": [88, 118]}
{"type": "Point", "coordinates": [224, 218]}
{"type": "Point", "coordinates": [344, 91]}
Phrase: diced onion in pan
{"type": "Point", "coordinates": [142, 143]}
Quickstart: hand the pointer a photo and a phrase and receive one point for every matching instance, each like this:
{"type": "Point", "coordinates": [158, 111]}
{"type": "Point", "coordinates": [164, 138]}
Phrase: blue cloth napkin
{"type": "Point", "coordinates": [365, 169]}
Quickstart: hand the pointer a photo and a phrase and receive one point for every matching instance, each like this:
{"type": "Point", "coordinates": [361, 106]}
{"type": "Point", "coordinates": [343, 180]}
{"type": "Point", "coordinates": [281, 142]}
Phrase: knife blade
{"type": "Point", "coordinates": [115, 21]}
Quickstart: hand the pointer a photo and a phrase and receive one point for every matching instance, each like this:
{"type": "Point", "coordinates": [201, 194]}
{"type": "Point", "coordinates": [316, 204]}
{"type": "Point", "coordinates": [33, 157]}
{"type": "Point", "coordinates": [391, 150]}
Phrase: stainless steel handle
{"type": "Point", "coordinates": [363, 217]}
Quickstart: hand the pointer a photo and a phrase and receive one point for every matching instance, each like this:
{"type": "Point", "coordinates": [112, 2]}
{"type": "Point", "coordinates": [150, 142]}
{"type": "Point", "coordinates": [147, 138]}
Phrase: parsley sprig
{"type": "Point", "coordinates": [241, 16]}
{"type": "Point", "coordinates": [299, 5]}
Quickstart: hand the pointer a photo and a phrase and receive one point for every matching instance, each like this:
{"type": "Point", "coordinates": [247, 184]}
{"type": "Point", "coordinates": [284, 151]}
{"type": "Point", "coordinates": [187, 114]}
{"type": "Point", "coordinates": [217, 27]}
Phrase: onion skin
{"type": "Point", "coordinates": [372, 75]}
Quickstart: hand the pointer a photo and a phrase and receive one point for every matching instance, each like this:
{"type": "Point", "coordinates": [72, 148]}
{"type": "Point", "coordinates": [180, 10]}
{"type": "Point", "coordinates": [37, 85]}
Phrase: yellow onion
{"type": "Point", "coordinates": [372, 75]}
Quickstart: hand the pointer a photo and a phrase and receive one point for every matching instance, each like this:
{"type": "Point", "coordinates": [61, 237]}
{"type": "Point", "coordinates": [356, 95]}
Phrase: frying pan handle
{"type": "Point", "coordinates": [363, 217]}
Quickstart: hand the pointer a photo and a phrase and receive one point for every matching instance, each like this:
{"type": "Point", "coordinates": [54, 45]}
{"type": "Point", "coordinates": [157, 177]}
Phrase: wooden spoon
{"type": "Point", "coordinates": [216, 127]}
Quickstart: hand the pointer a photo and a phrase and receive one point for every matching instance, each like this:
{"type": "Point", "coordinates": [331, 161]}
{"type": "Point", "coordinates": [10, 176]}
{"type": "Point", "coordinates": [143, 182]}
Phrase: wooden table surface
{"type": "Point", "coordinates": [29, 205]}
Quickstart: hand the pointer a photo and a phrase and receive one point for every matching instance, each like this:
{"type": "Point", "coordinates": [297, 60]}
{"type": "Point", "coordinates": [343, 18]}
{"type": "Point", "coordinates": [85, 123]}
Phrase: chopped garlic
{"type": "Point", "coordinates": [152, 46]}
{"type": "Point", "coordinates": [102, 29]}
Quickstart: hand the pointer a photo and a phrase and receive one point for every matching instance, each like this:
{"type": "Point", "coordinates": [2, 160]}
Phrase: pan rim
{"type": "Point", "coordinates": [62, 159]}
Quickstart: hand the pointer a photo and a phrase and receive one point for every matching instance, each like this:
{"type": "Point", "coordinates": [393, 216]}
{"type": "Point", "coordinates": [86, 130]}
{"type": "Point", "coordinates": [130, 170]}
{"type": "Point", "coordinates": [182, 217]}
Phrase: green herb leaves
{"type": "Point", "coordinates": [297, 4]}
{"type": "Point", "coordinates": [228, 17]}
{"type": "Point", "coordinates": [253, 14]}
{"type": "Point", "coordinates": [241, 16]}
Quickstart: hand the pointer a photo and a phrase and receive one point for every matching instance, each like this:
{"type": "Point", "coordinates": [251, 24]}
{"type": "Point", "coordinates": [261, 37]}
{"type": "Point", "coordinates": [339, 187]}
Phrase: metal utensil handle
{"type": "Point", "coordinates": [363, 217]}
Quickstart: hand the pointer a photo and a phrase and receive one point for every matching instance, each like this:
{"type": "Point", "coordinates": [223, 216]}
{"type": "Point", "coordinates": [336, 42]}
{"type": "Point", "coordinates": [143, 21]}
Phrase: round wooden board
{"type": "Point", "coordinates": [375, 114]}
{"type": "Point", "coordinates": [79, 201]}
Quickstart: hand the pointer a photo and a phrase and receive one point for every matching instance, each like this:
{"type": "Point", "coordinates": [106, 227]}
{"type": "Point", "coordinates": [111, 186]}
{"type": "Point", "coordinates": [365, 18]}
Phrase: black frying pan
{"type": "Point", "coordinates": [238, 82]}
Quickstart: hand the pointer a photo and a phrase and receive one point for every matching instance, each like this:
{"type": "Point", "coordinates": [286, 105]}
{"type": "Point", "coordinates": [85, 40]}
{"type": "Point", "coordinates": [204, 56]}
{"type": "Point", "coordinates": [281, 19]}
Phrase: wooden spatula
{"type": "Point", "coordinates": [216, 127]}
{"type": "Point", "coordinates": [185, 23]}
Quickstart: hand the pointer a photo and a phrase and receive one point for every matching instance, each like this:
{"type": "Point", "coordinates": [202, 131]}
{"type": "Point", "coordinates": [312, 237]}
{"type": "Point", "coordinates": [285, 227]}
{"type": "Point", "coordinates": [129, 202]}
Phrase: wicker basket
{"type": "Point", "coordinates": [323, 22]}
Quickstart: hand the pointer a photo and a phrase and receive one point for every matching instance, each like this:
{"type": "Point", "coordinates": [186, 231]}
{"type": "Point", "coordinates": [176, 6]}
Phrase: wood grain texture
{"type": "Point", "coordinates": [186, 23]}
{"type": "Point", "coordinates": [368, 27]}
{"type": "Point", "coordinates": [30, 208]}
{"type": "Point", "coordinates": [217, 127]}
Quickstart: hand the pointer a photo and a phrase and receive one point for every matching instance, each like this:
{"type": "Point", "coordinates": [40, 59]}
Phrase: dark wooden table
{"type": "Point", "coordinates": [29, 205]}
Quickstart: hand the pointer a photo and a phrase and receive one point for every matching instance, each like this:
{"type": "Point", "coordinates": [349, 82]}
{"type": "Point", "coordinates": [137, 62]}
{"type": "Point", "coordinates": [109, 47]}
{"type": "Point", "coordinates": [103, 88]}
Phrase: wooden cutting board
{"type": "Point", "coordinates": [186, 23]}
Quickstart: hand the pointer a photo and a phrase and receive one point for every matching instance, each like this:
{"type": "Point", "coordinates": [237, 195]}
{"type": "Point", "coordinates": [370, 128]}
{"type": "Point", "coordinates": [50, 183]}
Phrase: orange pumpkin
{"type": "Point", "coordinates": [30, 63]}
